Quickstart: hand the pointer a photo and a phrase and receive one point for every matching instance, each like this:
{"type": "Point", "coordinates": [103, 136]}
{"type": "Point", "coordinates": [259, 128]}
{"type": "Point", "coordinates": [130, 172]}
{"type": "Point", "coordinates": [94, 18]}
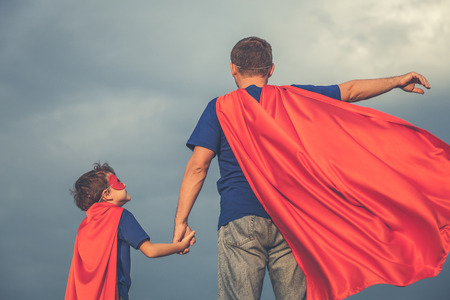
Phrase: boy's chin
{"type": "Point", "coordinates": [123, 202]}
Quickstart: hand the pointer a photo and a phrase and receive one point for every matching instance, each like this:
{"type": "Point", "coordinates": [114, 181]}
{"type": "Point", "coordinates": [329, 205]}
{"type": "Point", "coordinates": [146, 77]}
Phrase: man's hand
{"type": "Point", "coordinates": [408, 83]}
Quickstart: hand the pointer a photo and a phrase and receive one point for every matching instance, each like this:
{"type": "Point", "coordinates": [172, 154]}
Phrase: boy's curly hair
{"type": "Point", "coordinates": [89, 187]}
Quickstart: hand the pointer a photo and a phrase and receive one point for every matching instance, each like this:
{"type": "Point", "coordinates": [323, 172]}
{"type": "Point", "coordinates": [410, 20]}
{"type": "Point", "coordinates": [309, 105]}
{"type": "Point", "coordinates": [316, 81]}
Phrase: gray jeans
{"type": "Point", "coordinates": [245, 248]}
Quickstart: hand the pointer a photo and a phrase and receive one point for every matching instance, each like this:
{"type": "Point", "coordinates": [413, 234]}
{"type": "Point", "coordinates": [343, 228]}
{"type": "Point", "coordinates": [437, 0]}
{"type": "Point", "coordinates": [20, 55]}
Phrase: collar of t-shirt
{"type": "Point", "coordinates": [254, 91]}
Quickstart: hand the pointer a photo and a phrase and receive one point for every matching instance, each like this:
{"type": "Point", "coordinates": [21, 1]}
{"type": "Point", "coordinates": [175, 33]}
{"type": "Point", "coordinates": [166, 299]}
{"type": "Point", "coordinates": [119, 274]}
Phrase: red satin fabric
{"type": "Point", "coordinates": [361, 197]}
{"type": "Point", "coordinates": [93, 272]}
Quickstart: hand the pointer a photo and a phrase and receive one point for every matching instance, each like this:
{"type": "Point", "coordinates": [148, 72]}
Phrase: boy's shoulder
{"type": "Point", "coordinates": [128, 218]}
{"type": "Point", "coordinates": [126, 212]}
{"type": "Point", "coordinates": [103, 208]}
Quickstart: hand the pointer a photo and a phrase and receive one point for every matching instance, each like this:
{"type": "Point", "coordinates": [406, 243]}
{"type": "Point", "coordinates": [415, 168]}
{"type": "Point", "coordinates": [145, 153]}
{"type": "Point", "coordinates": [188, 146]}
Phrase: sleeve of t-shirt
{"type": "Point", "coordinates": [332, 91]}
{"type": "Point", "coordinates": [130, 230]}
{"type": "Point", "coordinates": [207, 132]}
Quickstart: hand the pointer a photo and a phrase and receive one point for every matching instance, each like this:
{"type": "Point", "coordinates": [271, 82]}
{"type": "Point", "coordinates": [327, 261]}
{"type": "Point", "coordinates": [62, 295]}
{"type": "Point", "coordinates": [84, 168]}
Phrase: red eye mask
{"type": "Point", "coordinates": [115, 182]}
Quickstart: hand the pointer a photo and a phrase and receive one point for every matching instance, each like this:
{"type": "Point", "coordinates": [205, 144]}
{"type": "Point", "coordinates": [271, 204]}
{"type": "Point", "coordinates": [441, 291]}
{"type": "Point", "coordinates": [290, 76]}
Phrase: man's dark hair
{"type": "Point", "coordinates": [252, 56]}
{"type": "Point", "coordinates": [89, 187]}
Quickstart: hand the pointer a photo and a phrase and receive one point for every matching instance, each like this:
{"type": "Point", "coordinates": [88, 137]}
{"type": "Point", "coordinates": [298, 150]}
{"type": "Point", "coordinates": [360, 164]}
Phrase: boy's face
{"type": "Point", "coordinates": [116, 192]}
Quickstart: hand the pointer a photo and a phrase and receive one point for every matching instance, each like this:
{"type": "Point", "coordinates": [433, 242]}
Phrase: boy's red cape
{"type": "Point", "coordinates": [361, 197]}
{"type": "Point", "coordinates": [93, 273]}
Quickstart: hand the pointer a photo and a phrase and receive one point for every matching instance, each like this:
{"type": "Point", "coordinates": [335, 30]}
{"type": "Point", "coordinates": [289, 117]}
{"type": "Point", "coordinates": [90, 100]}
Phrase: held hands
{"type": "Point", "coordinates": [408, 83]}
{"type": "Point", "coordinates": [183, 233]}
{"type": "Point", "coordinates": [187, 240]}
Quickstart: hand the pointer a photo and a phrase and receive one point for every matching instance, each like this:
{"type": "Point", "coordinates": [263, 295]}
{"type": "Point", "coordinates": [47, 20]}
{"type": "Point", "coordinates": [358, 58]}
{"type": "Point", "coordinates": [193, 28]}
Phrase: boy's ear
{"type": "Point", "coordinates": [106, 195]}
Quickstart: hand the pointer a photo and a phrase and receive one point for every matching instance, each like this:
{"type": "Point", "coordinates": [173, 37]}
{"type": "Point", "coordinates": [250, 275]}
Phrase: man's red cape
{"type": "Point", "coordinates": [361, 197]}
{"type": "Point", "coordinates": [93, 272]}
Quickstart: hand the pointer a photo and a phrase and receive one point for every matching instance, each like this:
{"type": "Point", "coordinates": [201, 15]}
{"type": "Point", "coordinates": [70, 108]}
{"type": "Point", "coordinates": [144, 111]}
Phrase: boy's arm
{"type": "Point", "coordinates": [356, 90]}
{"type": "Point", "coordinates": [157, 250]}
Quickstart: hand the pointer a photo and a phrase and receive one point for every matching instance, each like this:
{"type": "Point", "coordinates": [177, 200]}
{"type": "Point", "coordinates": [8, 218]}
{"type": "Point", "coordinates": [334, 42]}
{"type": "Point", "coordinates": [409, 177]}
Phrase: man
{"type": "Point", "coordinates": [249, 241]}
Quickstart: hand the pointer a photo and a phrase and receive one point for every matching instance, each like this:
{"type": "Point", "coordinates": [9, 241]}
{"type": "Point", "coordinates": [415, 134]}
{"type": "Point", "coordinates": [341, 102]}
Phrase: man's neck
{"type": "Point", "coordinates": [245, 82]}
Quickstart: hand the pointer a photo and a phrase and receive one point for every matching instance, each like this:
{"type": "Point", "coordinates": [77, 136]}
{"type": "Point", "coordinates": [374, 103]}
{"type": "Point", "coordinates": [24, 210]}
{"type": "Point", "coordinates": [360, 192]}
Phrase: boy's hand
{"type": "Point", "coordinates": [187, 241]}
{"type": "Point", "coordinates": [188, 238]}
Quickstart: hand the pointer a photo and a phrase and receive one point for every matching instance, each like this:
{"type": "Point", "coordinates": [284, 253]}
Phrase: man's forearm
{"type": "Point", "coordinates": [191, 186]}
{"type": "Point", "coordinates": [357, 90]}
{"type": "Point", "coordinates": [362, 89]}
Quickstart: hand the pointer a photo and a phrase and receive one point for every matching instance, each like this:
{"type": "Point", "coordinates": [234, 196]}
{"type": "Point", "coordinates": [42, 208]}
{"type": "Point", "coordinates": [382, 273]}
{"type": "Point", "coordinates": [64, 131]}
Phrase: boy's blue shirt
{"type": "Point", "coordinates": [130, 234]}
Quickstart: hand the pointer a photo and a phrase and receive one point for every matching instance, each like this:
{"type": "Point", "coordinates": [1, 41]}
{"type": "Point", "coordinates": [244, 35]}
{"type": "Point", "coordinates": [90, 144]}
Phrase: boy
{"type": "Point", "coordinates": [100, 266]}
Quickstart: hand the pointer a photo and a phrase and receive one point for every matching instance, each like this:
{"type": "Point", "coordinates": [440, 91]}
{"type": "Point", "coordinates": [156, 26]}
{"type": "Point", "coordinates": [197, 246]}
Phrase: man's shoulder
{"type": "Point", "coordinates": [332, 91]}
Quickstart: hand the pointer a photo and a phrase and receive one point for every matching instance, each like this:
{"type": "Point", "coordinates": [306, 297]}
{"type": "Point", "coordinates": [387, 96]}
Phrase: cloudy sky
{"type": "Point", "coordinates": [125, 82]}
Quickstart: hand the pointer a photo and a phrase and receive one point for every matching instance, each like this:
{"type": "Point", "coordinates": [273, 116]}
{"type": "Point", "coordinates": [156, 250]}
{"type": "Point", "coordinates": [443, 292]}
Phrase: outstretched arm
{"type": "Point", "coordinates": [357, 90]}
{"type": "Point", "coordinates": [157, 250]}
{"type": "Point", "coordinates": [191, 185]}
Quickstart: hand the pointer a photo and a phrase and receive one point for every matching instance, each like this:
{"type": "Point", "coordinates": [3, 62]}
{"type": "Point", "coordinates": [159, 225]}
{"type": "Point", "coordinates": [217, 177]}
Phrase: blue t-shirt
{"type": "Point", "coordinates": [130, 234]}
{"type": "Point", "coordinates": [236, 196]}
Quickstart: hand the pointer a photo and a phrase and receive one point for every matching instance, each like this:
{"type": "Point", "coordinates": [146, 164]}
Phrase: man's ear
{"type": "Point", "coordinates": [233, 69]}
{"type": "Point", "coordinates": [272, 68]}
